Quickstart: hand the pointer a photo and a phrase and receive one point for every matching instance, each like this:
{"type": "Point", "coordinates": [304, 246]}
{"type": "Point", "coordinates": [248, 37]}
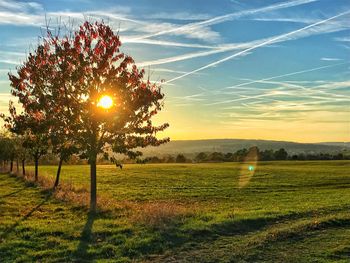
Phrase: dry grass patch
{"type": "Point", "coordinates": [160, 214]}
{"type": "Point", "coordinates": [155, 214]}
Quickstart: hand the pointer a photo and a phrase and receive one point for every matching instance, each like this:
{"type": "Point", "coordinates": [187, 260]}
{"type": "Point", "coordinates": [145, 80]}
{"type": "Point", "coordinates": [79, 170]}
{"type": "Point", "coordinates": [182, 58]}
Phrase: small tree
{"type": "Point", "coordinates": [216, 157]}
{"type": "Point", "coordinates": [64, 80]}
{"type": "Point", "coordinates": [239, 155]}
{"type": "Point", "coordinates": [281, 154]}
{"type": "Point", "coordinates": [267, 155]}
{"type": "Point", "coordinates": [201, 157]}
{"type": "Point", "coordinates": [180, 158]}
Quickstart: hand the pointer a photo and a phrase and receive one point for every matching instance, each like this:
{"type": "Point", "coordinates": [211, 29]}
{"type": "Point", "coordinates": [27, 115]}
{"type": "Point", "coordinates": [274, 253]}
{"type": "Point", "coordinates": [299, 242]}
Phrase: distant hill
{"type": "Point", "coordinates": [343, 144]}
{"type": "Point", "coordinates": [191, 147]}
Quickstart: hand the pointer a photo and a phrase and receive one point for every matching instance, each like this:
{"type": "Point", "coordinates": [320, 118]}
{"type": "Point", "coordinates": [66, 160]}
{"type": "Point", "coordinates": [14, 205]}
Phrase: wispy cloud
{"type": "Point", "coordinates": [168, 70]}
{"type": "Point", "coordinates": [122, 22]}
{"type": "Point", "coordinates": [342, 39]}
{"type": "Point", "coordinates": [4, 71]}
{"type": "Point", "coordinates": [331, 59]}
{"type": "Point", "coordinates": [9, 57]}
{"type": "Point", "coordinates": [127, 39]}
{"type": "Point", "coordinates": [178, 16]}
{"type": "Point", "coordinates": [288, 99]}
{"type": "Point", "coordinates": [287, 19]}
{"type": "Point", "coordinates": [286, 75]}
{"type": "Point", "coordinates": [194, 97]}
{"type": "Point", "coordinates": [310, 92]}
{"type": "Point", "coordinates": [20, 6]}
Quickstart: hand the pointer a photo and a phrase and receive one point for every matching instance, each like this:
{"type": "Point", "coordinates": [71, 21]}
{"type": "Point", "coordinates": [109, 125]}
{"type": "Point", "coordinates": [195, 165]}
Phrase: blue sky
{"type": "Point", "coordinates": [233, 69]}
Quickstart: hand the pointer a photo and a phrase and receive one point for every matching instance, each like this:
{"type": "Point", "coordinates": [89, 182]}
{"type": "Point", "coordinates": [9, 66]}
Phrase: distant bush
{"type": "Point", "coordinates": [180, 158]}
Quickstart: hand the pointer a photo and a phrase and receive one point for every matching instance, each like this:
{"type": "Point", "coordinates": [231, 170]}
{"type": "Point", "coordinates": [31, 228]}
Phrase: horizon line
{"type": "Point", "coordinates": [213, 139]}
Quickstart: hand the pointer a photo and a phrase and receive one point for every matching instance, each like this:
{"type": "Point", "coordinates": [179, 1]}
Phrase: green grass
{"type": "Point", "coordinates": [288, 212]}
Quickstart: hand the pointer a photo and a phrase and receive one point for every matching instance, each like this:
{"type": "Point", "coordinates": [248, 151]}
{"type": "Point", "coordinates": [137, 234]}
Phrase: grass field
{"type": "Point", "coordinates": [288, 212]}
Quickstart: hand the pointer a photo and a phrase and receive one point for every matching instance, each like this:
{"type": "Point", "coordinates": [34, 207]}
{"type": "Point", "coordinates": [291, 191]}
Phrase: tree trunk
{"type": "Point", "coordinates": [11, 165]}
{"type": "Point", "coordinates": [23, 167]}
{"type": "Point", "coordinates": [58, 173]}
{"type": "Point", "coordinates": [36, 159]}
{"type": "Point", "coordinates": [17, 166]}
{"type": "Point", "coordinates": [93, 184]}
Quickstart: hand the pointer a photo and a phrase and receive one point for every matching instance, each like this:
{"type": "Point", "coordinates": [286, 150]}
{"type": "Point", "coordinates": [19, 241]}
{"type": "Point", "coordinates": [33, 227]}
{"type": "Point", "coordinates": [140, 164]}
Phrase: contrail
{"type": "Point", "coordinates": [245, 98]}
{"type": "Point", "coordinates": [259, 45]}
{"type": "Point", "coordinates": [307, 91]}
{"type": "Point", "coordinates": [285, 75]}
{"type": "Point", "coordinates": [222, 49]}
{"type": "Point", "coordinates": [230, 16]}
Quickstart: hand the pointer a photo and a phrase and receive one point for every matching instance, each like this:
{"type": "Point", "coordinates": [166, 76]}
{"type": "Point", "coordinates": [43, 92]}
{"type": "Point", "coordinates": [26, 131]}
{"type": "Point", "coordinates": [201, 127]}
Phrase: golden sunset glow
{"type": "Point", "coordinates": [105, 102]}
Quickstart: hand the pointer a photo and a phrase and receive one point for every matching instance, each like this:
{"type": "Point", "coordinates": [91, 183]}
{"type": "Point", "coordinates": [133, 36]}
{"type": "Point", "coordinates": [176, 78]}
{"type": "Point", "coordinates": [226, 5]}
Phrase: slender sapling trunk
{"type": "Point", "coordinates": [11, 165]}
{"type": "Point", "coordinates": [23, 167]}
{"type": "Point", "coordinates": [58, 172]}
{"type": "Point", "coordinates": [36, 159]}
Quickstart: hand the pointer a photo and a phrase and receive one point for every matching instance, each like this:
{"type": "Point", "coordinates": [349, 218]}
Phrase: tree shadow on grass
{"type": "Point", "coordinates": [81, 253]}
{"type": "Point", "coordinates": [175, 237]}
{"type": "Point", "coordinates": [10, 229]}
{"type": "Point", "coordinates": [13, 193]}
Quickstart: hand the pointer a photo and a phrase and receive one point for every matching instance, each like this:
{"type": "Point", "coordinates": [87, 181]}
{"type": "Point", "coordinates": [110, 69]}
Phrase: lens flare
{"type": "Point", "coordinates": [105, 102]}
{"type": "Point", "coordinates": [248, 167]}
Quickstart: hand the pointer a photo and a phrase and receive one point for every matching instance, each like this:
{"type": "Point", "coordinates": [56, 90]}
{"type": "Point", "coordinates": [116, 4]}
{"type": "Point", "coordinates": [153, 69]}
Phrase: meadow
{"type": "Point", "coordinates": [289, 211]}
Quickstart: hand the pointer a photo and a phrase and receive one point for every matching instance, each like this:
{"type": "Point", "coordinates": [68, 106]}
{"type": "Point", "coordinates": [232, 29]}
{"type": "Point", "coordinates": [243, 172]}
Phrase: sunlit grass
{"type": "Point", "coordinates": [187, 212]}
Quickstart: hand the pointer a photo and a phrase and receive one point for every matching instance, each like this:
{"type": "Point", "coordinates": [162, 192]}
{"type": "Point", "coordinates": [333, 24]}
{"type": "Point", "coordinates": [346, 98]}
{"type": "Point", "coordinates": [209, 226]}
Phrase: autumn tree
{"type": "Point", "coordinates": [63, 82]}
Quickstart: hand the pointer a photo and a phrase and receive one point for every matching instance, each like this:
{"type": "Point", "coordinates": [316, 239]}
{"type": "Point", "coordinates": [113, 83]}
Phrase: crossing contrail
{"type": "Point", "coordinates": [286, 75]}
{"type": "Point", "coordinates": [272, 40]}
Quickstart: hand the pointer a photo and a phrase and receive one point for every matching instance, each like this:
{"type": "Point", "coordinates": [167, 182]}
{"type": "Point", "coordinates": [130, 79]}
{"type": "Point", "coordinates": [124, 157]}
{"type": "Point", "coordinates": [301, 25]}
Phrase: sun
{"type": "Point", "coordinates": [105, 102]}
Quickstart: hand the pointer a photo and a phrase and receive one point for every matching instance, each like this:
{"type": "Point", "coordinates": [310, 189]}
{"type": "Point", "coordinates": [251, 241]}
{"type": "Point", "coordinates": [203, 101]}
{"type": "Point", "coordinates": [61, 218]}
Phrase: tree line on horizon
{"type": "Point", "coordinates": [242, 155]}
{"type": "Point", "coordinates": [14, 154]}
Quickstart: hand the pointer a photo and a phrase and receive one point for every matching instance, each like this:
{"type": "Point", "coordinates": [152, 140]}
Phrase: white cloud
{"type": "Point", "coordinates": [13, 58]}
{"type": "Point", "coordinates": [178, 16]}
{"type": "Point", "coordinates": [287, 19]}
{"type": "Point", "coordinates": [342, 39]}
{"type": "Point", "coordinates": [20, 6]}
{"type": "Point", "coordinates": [331, 59]}
{"type": "Point", "coordinates": [120, 22]}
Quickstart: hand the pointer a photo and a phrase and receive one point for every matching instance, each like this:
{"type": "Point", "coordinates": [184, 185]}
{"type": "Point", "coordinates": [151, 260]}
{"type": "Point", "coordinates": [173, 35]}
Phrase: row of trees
{"type": "Point", "coordinates": [11, 152]}
{"type": "Point", "coordinates": [58, 88]}
{"type": "Point", "coordinates": [241, 155]}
